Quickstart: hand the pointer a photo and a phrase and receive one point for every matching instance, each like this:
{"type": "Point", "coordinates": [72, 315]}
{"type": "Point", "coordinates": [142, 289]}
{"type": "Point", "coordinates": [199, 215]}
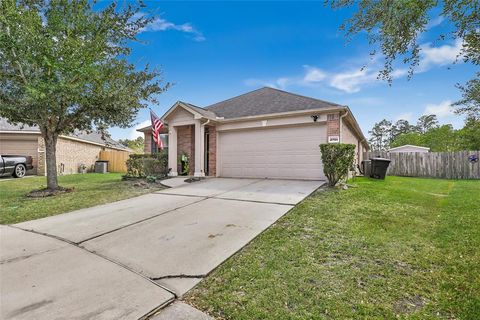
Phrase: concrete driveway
{"type": "Point", "coordinates": [130, 258]}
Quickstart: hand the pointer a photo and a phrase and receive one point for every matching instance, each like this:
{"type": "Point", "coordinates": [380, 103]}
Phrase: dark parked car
{"type": "Point", "coordinates": [16, 166]}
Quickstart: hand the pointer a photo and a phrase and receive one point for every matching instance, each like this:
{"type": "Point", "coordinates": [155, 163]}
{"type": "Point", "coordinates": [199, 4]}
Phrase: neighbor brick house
{"type": "Point", "coordinates": [72, 150]}
{"type": "Point", "coordinates": [266, 133]}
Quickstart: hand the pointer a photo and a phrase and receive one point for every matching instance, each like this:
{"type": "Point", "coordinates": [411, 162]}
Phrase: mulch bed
{"type": "Point", "coordinates": [43, 193]}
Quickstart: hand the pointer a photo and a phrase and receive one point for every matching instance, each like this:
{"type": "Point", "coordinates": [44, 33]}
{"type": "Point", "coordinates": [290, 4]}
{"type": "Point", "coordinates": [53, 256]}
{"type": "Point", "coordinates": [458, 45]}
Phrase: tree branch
{"type": "Point", "coordinates": [20, 69]}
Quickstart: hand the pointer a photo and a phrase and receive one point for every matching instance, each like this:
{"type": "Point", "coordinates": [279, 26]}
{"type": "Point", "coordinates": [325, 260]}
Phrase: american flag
{"type": "Point", "coordinates": [157, 125]}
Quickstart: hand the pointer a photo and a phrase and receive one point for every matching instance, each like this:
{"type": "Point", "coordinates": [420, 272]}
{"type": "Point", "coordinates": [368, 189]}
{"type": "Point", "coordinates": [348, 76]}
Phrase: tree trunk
{"type": "Point", "coordinates": [51, 159]}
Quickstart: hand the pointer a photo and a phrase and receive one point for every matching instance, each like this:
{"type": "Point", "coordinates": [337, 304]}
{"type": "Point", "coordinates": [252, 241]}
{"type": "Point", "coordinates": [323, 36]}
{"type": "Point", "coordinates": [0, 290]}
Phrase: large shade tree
{"type": "Point", "coordinates": [381, 135]}
{"type": "Point", "coordinates": [63, 67]}
{"type": "Point", "coordinates": [394, 27]}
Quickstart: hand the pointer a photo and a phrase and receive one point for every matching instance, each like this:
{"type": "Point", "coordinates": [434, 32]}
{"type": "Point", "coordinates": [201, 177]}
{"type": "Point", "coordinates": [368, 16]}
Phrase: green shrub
{"type": "Point", "coordinates": [151, 179]}
{"type": "Point", "coordinates": [337, 160]}
{"type": "Point", "coordinates": [143, 165]}
{"type": "Point", "coordinates": [135, 165]}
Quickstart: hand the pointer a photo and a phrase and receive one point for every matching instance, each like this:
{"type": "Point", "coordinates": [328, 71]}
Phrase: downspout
{"type": "Point", "coordinates": [341, 125]}
{"type": "Point", "coordinates": [206, 151]}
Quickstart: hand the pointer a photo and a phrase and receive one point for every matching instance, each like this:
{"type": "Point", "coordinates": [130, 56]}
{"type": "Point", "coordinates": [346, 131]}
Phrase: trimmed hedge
{"type": "Point", "coordinates": [337, 160]}
{"type": "Point", "coordinates": [143, 165]}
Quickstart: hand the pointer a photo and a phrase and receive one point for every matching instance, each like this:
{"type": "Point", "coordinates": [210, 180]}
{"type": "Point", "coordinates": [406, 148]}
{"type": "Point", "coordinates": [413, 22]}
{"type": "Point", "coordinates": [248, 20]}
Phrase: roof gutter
{"type": "Point", "coordinates": [18, 131]}
{"type": "Point", "coordinates": [357, 128]}
{"type": "Point", "coordinates": [281, 115]}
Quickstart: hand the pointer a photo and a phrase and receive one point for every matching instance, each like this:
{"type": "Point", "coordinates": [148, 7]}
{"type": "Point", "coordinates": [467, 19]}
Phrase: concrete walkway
{"type": "Point", "coordinates": [175, 182]}
{"type": "Point", "coordinates": [130, 258]}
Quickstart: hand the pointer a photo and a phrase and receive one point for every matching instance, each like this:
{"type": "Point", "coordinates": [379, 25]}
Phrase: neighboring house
{"type": "Point", "coordinates": [72, 150]}
{"type": "Point", "coordinates": [409, 148]}
{"type": "Point", "coordinates": [266, 133]}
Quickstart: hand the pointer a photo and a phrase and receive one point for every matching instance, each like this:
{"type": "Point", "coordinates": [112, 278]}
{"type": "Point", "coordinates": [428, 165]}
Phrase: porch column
{"type": "Point", "coordinates": [199, 149]}
{"type": "Point", "coordinates": [172, 150]}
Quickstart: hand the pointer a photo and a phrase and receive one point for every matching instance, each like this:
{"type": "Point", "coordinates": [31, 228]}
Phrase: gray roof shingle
{"type": "Point", "coordinates": [266, 101]}
{"type": "Point", "coordinates": [95, 137]}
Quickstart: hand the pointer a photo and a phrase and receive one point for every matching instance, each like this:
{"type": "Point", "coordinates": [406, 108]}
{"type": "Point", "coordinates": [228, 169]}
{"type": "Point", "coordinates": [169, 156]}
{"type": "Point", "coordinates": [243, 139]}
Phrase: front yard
{"type": "Point", "coordinates": [90, 190]}
{"type": "Point", "coordinates": [401, 248]}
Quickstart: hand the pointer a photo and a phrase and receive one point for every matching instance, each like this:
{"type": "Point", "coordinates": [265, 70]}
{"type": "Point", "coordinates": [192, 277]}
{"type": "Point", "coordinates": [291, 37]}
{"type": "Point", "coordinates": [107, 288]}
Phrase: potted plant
{"type": "Point", "coordinates": [82, 168]}
{"type": "Point", "coordinates": [184, 165]}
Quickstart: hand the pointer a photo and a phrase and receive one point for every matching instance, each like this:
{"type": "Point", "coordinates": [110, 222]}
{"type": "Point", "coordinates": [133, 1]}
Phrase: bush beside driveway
{"type": "Point", "coordinates": [90, 189]}
{"type": "Point", "coordinates": [403, 247]}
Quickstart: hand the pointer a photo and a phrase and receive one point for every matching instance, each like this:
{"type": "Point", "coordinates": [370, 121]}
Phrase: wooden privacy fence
{"type": "Point", "coordinates": [116, 160]}
{"type": "Point", "coordinates": [447, 165]}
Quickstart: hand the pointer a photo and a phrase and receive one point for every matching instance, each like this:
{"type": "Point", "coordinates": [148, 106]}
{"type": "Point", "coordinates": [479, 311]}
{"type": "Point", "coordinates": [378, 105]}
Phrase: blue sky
{"type": "Point", "coordinates": [216, 50]}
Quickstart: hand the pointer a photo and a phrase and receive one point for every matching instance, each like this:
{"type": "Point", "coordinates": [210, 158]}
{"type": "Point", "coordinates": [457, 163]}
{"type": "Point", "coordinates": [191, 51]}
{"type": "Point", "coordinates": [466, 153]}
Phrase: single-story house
{"type": "Point", "coordinates": [265, 133]}
{"type": "Point", "coordinates": [410, 148]}
{"type": "Point", "coordinates": [72, 150]}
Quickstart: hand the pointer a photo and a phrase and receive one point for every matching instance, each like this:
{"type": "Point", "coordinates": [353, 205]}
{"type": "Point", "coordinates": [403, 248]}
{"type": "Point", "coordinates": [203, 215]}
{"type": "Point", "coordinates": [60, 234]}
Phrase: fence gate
{"type": "Point", "coordinates": [116, 160]}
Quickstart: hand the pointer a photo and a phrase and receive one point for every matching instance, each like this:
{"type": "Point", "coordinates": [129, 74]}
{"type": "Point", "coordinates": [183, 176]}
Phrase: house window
{"type": "Point", "coordinates": [164, 139]}
{"type": "Point", "coordinates": [153, 148]}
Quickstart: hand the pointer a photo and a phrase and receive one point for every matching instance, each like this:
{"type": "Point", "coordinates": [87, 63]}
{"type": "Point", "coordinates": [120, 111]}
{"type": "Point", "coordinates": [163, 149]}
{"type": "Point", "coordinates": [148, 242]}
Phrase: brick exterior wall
{"type": "Point", "coordinates": [333, 124]}
{"type": "Point", "coordinates": [70, 154]}
{"type": "Point", "coordinates": [186, 144]}
{"type": "Point", "coordinates": [212, 151]}
{"type": "Point", "coordinates": [147, 149]}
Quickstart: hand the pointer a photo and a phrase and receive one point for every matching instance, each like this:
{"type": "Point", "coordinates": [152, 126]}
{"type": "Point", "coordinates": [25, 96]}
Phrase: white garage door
{"type": "Point", "coordinates": [286, 152]}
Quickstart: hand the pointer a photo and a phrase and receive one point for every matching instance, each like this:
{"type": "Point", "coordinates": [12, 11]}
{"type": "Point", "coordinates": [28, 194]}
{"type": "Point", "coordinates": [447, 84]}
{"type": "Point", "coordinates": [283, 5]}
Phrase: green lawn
{"type": "Point", "coordinates": [90, 190]}
{"type": "Point", "coordinates": [401, 248]}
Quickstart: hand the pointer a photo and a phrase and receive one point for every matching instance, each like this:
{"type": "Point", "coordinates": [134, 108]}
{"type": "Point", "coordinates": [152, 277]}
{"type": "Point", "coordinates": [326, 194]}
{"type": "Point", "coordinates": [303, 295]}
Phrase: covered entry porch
{"type": "Point", "coordinates": [192, 141]}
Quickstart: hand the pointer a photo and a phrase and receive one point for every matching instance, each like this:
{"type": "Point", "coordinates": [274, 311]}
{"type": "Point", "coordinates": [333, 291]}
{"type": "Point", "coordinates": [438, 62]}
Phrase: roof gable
{"type": "Point", "coordinates": [266, 101]}
{"type": "Point", "coordinates": [197, 112]}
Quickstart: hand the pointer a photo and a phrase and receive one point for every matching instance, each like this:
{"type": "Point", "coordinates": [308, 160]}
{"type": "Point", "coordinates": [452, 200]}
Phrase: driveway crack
{"type": "Point", "coordinates": [176, 276]}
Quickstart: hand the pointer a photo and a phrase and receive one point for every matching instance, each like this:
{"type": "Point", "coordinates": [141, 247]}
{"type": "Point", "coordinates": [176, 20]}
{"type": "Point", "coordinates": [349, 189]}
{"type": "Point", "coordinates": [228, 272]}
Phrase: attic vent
{"type": "Point", "coordinates": [332, 116]}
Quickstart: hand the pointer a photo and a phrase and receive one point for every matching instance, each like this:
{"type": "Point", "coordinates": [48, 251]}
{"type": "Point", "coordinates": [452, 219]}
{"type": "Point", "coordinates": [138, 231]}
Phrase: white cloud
{"type": "Point", "coordinates": [398, 73]}
{"type": "Point", "coordinates": [313, 74]}
{"type": "Point", "coordinates": [352, 81]}
{"type": "Point", "coordinates": [439, 56]}
{"type": "Point", "coordinates": [435, 22]}
{"type": "Point", "coordinates": [279, 83]}
{"type": "Point", "coordinates": [430, 57]}
{"type": "Point", "coordinates": [160, 24]}
{"type": "Point", "coordinates": [442, 109]}
{"type": "Point", "coordinates": [133, 134]}
{"type": "Point", "coordinates": [283, 82]}
{"type": "Point", "coordinates": [347, 81]}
